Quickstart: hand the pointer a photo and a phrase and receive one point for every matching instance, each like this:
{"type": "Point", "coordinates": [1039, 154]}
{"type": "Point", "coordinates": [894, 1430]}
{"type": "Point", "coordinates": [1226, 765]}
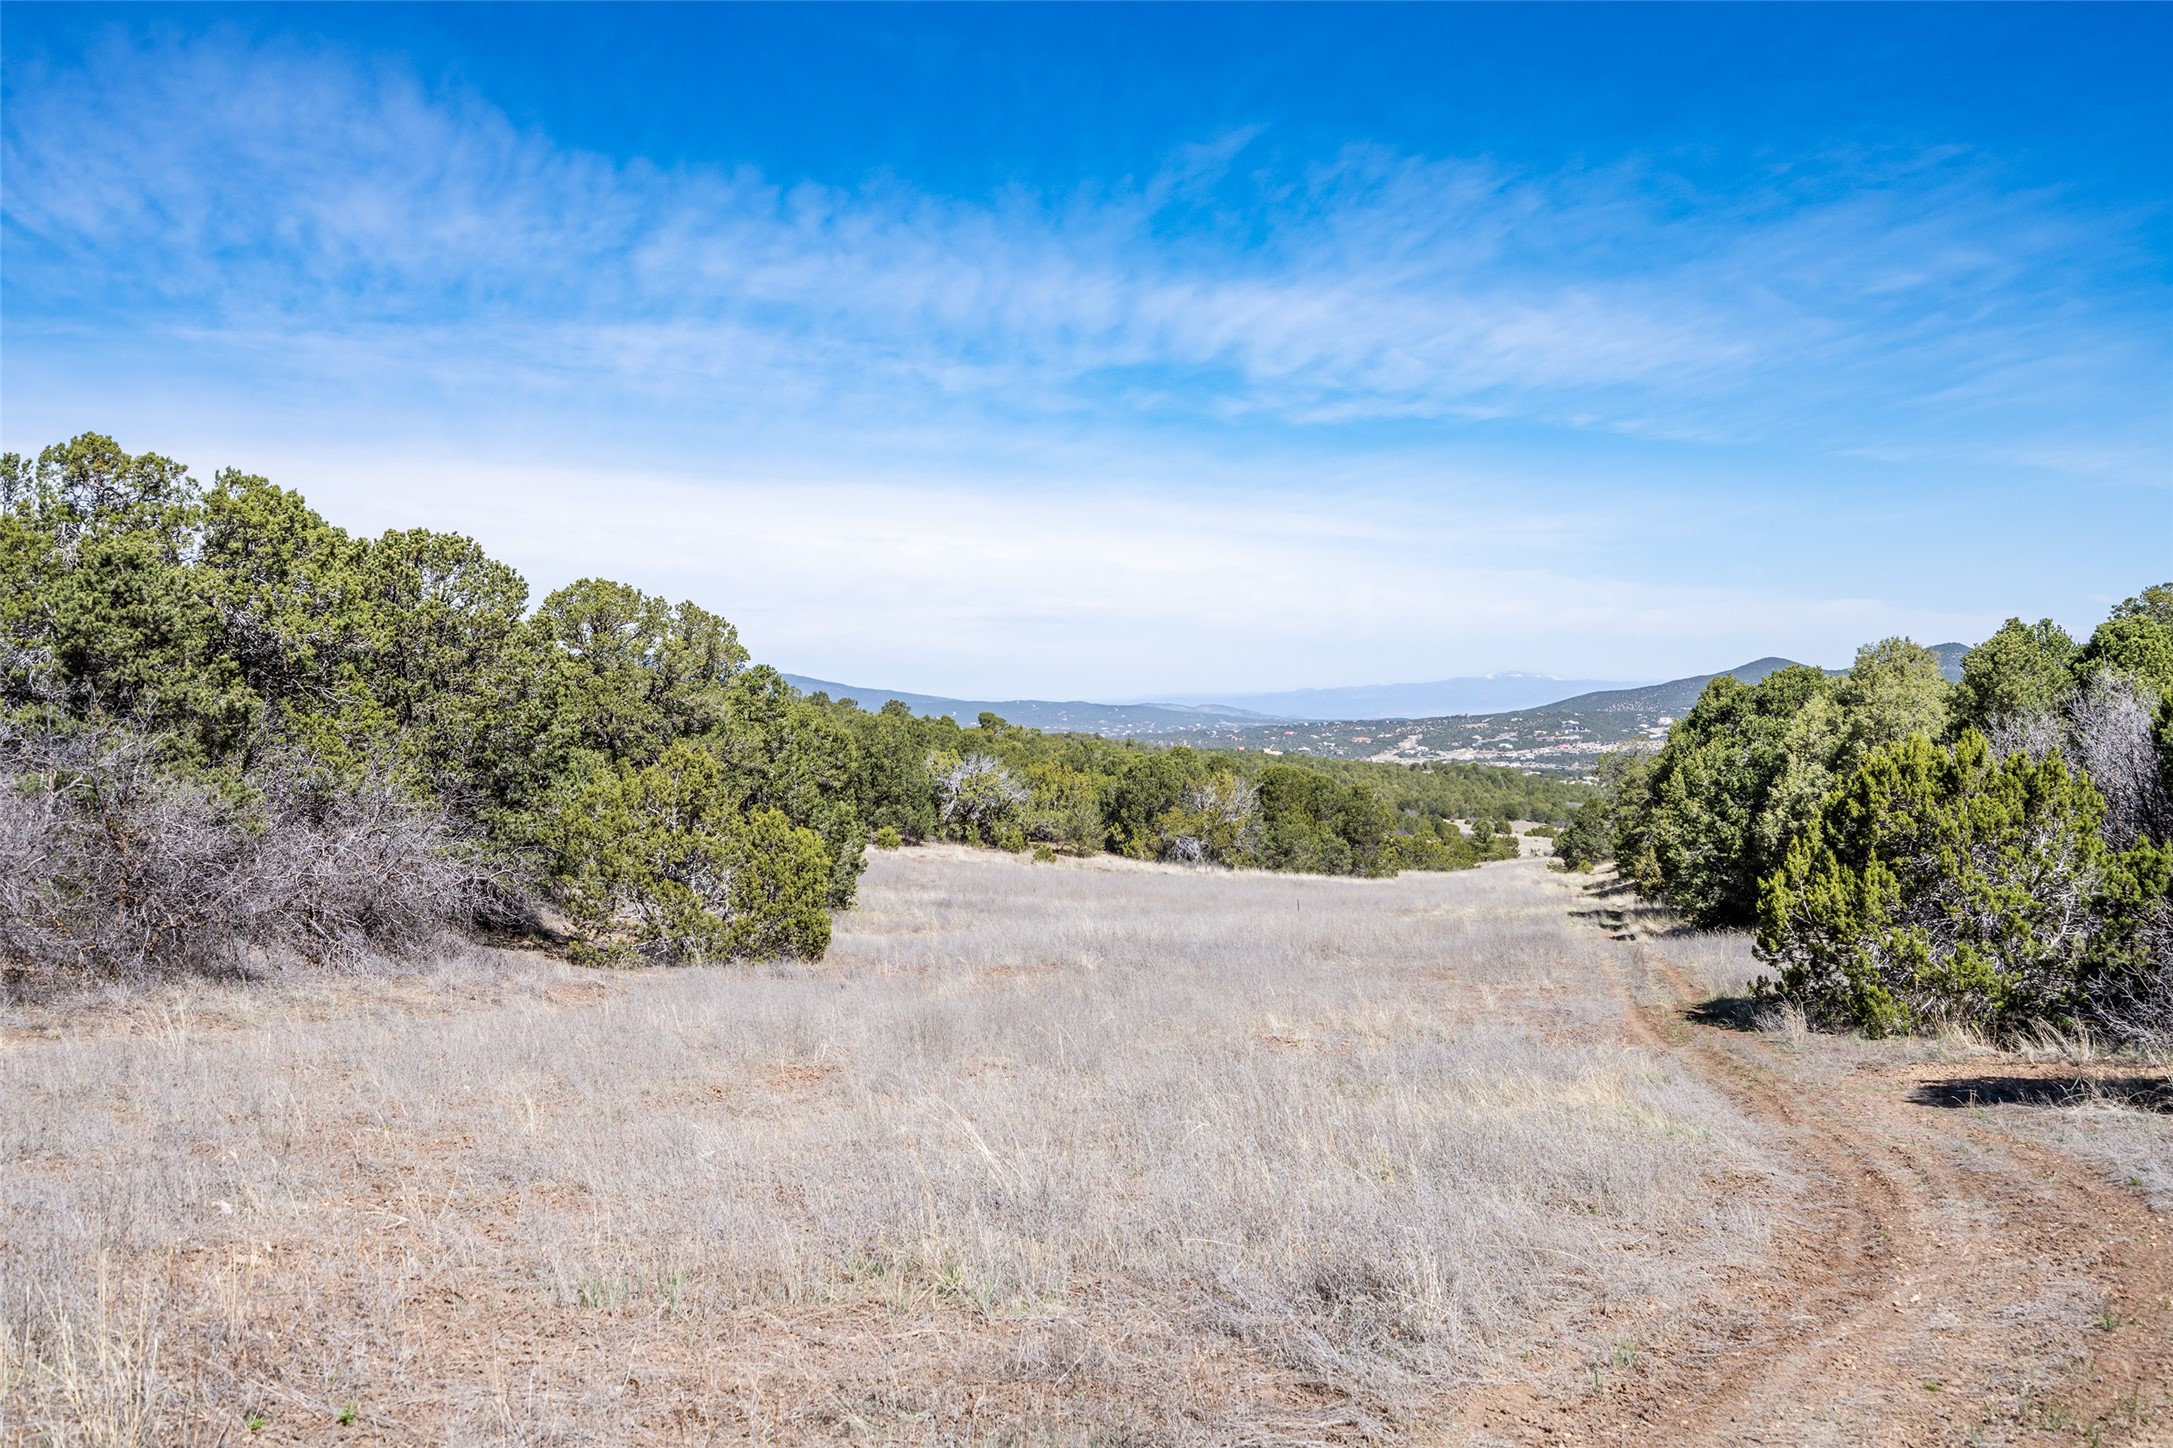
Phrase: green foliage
{"type": "Point", "coordinates": [636, 671]}
{"type": "Point", "coordinates": [1941, 883]}
{"type": "Point", "coordinates": [1145, 788]}
{"type": "Point", "coordinates": [1063, 805]}
{"type": "Point", "coordinates": [890, 778]}
{"type": "Point", "coordinates": [783, 885]}
{"type": "Point", "coordinates": [1713, 806]}
{"type": "Point", "coordinates": [997, 784]}
{"type": "Point", "coordinates": [287, 589]}
{"type": "Point", "coordinates": [448, 674]}
{"type": "Point", "coordinates": [2154, 602]}
{"type": "Point", "coordinates": [1453, 790]}
{"type": "Point", "coordinates": [235, 625]}
{"type": "Point", "coordinates": [1594, 831]}
{"type": "Point", "coordinates": [2024, 669]}
{"type": "Point", "coordinates": [798, 759]}
{"type": "Point", "coordinates": [616, 752]}
{"type": "Point", "coordinates": [1316, 824]}
{"type": "Point", "coordinates": [1745, 771]}
{"type": "Point", "coordinates": [97, 608]}
{"type": "Point", "coordinates": [609, 749]}
{"type": "Point", "coordinates": [1895, 688]}
{"type": "Point", "coordinates": [2137, 644]}
{"type": "Point", "coordinates": [2162, 739]}
{"type": "Point", "coordinates": [1900, 869]}
{"type": "Point", "coordinates": [666, 861]}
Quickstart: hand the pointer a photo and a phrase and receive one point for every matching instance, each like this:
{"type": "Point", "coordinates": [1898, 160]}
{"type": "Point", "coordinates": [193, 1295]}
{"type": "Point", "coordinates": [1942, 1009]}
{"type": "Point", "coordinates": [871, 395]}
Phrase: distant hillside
{"type": "Point", "coordinates": [1076, 715]}
{"type": "Point", "coordinates": [1673, 697]}
{"type": "Point", "coordinates": [1677, 695]}
{"type": "Point", "coordinates": [1564, 737]}
{"type": "Point", "coordinates": [1490, 694]}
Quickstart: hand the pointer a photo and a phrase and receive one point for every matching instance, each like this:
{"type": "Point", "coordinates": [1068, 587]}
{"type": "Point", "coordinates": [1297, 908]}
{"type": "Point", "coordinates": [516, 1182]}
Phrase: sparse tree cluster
{"type": "Point", "coordinates": [278, 715]}
{"type": "Point", "coordinates": [1996, 852]}
{"type": "Point", "coordinates": [232, 733]}
{"type": "Point", "coordinates": [996, 784]}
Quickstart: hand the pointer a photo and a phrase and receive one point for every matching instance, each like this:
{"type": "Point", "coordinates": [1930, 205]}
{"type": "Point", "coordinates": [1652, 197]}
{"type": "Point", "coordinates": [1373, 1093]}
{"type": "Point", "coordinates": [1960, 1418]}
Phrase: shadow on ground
{"type": "Point", "coordinates": [1614, 922]}
{"type": "Point", "coordinates": [1635, 918]}
{"type": "Point", "coordinates": [2145, 1093]}
{"type": "Point", "coordinates": [1729, 1013]}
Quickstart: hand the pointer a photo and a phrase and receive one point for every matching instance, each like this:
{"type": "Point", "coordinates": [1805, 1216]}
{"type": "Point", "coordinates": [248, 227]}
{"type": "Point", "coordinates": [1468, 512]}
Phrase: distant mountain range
{"type": "Point", "coordinates": [1563, 737]}
{"type": "Point", "coordinates": [1512, 698]}
{"type": "Point", "coordinates": [1491, 694]}
{"type": "Point", "coordinates": [1069, 715]}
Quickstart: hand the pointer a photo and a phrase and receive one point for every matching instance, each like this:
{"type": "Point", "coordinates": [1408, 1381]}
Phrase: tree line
{"type": "Point", "coordinates": [1002, 785]}
{"type": "Point", "coordinates": [231, 731]}
{"type": "Point", "coordinates": [1995, 853]}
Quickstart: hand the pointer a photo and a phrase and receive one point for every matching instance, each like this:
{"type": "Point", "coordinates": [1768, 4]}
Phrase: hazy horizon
{"type": "Point", "coordinates": [1536, 688]}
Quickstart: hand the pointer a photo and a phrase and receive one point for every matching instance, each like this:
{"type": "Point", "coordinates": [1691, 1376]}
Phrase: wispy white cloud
{"type": "Point", "coordinates": [1232, 426]}
{"type": "Point", "coordinates": [1062, 591]}
{"type": "Point", "coordinates": [295, 195]}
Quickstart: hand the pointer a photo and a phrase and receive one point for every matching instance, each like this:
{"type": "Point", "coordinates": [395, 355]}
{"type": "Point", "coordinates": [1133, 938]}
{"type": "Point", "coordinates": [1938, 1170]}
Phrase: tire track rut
{"type": "Point", "coordinates": [1937, 1279]}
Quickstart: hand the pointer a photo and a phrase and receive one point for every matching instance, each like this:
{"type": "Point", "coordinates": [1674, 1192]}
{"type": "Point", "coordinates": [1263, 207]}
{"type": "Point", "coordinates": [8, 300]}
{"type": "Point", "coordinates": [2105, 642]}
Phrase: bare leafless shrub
{"type": "Point", "coordinates": [360, 865]}
{"type": "Point", "coordinates": [2110, 731]}
{"type": "Point", "coordinates": [113, 865]}
{"type": "Point", "coordinates": [1185, 850]}
{"type": "Point", "coordinates": [2136, 1006]}
{"type": "Point", "coordinates": [1220, 822]}
{"type": "Point", "coordinates": [2036, 735]}
{"type": "Point", "coordinates": [2106, 727]}
{"type": "Point", "coordinates": [977, 797]}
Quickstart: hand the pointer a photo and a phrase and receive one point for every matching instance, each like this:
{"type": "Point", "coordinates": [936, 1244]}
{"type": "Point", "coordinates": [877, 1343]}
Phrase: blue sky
{"type": "Point", "coordinates": [1112, 352]}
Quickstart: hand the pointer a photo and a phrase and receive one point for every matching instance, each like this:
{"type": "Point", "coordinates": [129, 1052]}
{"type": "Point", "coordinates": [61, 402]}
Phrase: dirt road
{"type": "Point", "coordinates": [1943, 1280]}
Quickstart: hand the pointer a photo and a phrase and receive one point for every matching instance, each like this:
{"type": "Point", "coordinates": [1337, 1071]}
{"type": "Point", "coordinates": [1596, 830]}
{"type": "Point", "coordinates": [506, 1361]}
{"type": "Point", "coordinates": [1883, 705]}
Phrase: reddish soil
{"type": "Point", "coordinates": [1939, 1280]}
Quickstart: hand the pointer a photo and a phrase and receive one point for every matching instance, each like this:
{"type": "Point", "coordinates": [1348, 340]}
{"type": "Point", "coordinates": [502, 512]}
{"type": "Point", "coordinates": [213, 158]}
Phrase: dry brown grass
{"type": "Point", "coordinates": [1075, 1152]}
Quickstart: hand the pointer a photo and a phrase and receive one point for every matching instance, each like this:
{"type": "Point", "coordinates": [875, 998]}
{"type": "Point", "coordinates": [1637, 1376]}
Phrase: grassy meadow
{"type": "Point", "coordinates": [1094, 1151]}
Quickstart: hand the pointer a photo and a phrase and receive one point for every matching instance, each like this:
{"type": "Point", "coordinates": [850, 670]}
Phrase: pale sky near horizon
{"type": "Point", "coordinates": [1115, 352]}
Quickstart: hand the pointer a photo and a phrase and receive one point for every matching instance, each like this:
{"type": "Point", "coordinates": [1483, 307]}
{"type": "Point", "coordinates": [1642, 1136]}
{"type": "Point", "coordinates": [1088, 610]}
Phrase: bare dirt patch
{"type": "Point", "coordinates": [1941, 1278]}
